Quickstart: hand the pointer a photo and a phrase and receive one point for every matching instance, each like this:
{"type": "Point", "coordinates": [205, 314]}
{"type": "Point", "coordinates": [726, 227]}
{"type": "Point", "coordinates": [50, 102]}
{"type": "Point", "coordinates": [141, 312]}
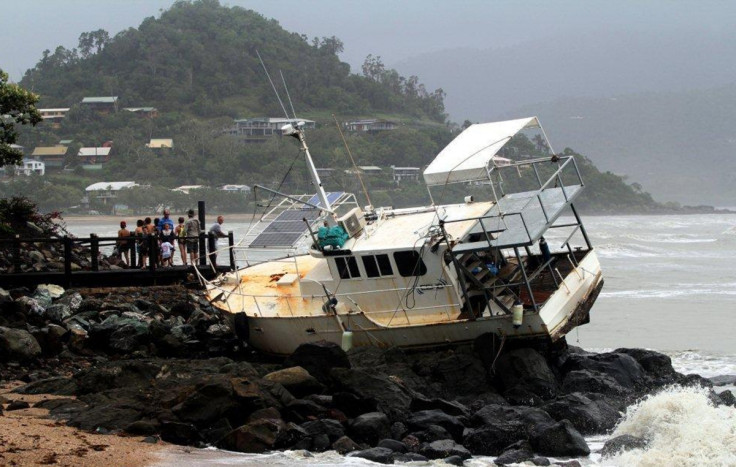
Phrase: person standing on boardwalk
{"type": "Point", "coordinates": [123, 245]}
{"type": "Point", "coordinates": [181, 234]}
{"type": "Point", "coordinates": [166, 220]}
{"type": "Point", "coordinates": [215, 233]}
{"type": "Point", "coordinates": [166, 236]}
{"type": "Point", "coordinates": [193, 230]}
{"type": "Point", "coordinates": [141, 244]}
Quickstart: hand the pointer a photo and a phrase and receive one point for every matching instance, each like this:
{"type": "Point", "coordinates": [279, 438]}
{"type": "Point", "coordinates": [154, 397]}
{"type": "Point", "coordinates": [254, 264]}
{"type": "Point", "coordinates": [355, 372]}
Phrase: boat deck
{"type": "Point", "coordinates": [519, 219]}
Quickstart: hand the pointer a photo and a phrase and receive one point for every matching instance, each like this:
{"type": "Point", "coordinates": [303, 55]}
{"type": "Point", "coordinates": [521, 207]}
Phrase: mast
{"type": "Point", "coordinates": [295, 131]}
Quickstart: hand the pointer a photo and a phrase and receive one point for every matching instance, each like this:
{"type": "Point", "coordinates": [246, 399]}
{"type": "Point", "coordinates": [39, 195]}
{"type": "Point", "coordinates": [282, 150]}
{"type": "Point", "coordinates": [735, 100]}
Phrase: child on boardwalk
{"type": "Point", "coordinates": [166, 249]}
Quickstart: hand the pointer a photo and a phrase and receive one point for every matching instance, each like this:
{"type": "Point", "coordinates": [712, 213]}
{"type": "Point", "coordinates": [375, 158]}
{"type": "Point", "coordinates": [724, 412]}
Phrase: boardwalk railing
{"type": "Point", "coordinates": [85, 253]}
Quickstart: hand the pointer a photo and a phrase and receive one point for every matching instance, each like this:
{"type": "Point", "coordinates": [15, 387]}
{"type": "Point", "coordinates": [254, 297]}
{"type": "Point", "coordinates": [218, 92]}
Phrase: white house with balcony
{"type": "Point", "coordinates": [30, 166]}
{"type": "Point", "coordinates": [107, 190]}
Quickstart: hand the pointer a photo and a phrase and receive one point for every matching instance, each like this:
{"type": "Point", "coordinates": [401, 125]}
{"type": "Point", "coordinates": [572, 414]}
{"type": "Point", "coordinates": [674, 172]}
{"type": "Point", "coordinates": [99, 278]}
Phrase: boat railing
{"type": "Point", "coordinates": [519, 219]}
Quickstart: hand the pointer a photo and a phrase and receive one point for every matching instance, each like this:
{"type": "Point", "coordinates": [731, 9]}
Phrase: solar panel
{"type": "Point", "coordinates": [286, 229]}
{"type": "Point", "coordinates": [332, 196]}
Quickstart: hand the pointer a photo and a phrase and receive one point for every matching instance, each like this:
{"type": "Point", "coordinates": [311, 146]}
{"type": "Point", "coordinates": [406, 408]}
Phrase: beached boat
{"type": "Point", "coordinates": [319, 267]}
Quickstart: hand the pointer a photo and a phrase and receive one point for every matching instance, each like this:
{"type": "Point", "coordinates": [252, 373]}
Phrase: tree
{"type": "Point", "coordinates": [16, 106]}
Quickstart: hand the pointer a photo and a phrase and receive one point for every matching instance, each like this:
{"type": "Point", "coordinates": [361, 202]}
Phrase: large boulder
{"type": "Point", "coordinates": [622, 443]}
{"type": "Point", "coordinates": [444, 448]}
{"type": "Point", "coordinates": [423, 419]}
{"type": "Point", "coordinates": [593, 381]}
{"type": "Point", "coordinates": [370, 428]}
{"type": "Point", "coordinates": [623, 368]}
{"type": "Point", "coordinates": [210, 401]}
{"type": "Point", "coordinates": [256, 437]}
{"type": "Point", "coordinates": [499, 426]}
{"type": "Point", "coordinates": [526, 368]}
{"type": "Point", "coordinates": [657, 365]}
{"type": "Point", "coordinates": [318, 358]}
{"type": "Point", "coordinates": [460, 373]}
{"type": "Point", "coordinates": [590, 414]}
{"type": "Point", "coordinates": [559, 439]}
{"type": "Point", "coordinates": [391, 396]}
{"type": "Point", "coordinates": [296, 380]}
{"type": "Point", "coordinates": [130, 337]}
{"type": "Point", "coordinates": [57, 313]}
{"type": "Point", "coordinates": [380, 455]}
{"type": "Point", "coordinates": [332, 428]}
{"type": "Point", "coordinates": [449, 407]}
{"type": "Point", "coordinates": [17, 345]}
{"type": "Point", "coordinates": [491, 440]}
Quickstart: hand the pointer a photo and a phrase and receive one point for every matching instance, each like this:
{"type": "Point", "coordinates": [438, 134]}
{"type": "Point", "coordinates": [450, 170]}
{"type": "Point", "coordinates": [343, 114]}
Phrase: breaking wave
{"type": "Point", "coordinates": [675, 291]}
{"type": "Point", "coordinates": [682, 427]}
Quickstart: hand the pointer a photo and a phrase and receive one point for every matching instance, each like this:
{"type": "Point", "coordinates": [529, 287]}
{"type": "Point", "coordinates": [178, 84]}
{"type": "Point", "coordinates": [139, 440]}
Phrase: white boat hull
{"type": "Point", "coordinates": [571, 302]}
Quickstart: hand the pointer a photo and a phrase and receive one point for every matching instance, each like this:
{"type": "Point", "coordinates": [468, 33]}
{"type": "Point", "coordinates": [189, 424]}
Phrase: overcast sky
{"type": "Point", "coordinates": [393, 29]}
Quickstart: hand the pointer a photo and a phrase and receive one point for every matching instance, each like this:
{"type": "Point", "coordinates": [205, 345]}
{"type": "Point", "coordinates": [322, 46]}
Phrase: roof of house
{"type": "Point", "coordinates": [369, 168]}
{"type": "Point", "coordinates": [186, 188]}
{"type": "Point", "coordinates": [50, 151]}
{"type": "Point", "coordinates": [66, 142]}
{"type": "Point", "coordinates": [59, 109]}
{"type": "Point", "coordinates": [100, 100]}
{"type": "Point", "coordinates": [161, 143]}
{"type": "Point", "coordinates": [85, 152]}
{"type": "Point", "coordinates": [140, 109]}
{"type": "Point", "coordinates": [272, 120]}
{"type": "Point", "coordinates": [111, 186]}
{"type": "Point", "coordinates": [235, 188]}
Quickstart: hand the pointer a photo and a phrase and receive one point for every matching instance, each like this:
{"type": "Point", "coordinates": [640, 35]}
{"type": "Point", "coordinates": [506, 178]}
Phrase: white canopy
{"type": "Point", "coordinates": [467, 156]}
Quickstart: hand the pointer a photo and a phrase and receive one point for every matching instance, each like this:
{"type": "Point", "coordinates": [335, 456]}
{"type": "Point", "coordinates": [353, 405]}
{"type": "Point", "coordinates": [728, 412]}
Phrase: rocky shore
{"type": "Point", "coordinates": [162, 363]}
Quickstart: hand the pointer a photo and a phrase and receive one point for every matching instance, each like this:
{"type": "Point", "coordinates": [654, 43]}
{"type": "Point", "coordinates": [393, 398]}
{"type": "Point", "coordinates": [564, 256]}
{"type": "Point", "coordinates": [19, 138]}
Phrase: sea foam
{"type": "Point", "coordinates": [683, 428]}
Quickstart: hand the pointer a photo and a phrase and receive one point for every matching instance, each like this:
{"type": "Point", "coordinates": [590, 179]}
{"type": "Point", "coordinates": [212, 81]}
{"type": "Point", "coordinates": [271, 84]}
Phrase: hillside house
{"type": "Point", "coordinates": [143, 112]}
{"type": "Point", "coordinates": [54, 116]}
{"type": "Point", "coordinates": [236, 188]}
{"type": "Point", "coordinates": [107, 190]}
{"type": "Point", "coordinates": [257, 129]}
{"type": "Point", "coordinates": [370, 125]}
{"type": "Point", "coordinates": [92, 158]}
{"type": "Point", "coordinates": [30, 166]}
{"type": "Point", "coordinates": [51, 156]}
{"type": "Point", "coordinates": [187, 188]}
{"type": "Point", "coordinates": [401, 174]}
{"type": "Point", "coordinates": [103, 105]}
{"type": "Point", "coordinates": [160, 144]}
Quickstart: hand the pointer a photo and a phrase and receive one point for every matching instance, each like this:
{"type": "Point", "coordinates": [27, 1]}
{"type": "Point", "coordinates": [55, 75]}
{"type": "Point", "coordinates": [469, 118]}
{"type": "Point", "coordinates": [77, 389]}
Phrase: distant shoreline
{"type": "Point", "coordinates": [245, 217]}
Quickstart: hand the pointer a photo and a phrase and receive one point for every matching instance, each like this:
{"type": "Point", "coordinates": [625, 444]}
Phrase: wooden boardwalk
{"type": "Point", "coordinates": [110, 277]}
{"type": "Point", "coordinates": [94, 275]}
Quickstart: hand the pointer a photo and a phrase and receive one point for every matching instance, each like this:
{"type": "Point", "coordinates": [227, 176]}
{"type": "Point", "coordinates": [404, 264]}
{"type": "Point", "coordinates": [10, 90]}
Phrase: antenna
{"type": "Point", "coordinates": [273, 86]}
{"type": "Point", "coordinates": [355, 168]}
{"type": "Point", "coordinates": [294, 129]}
{"type": "Point", "coordinates": [288, 95]}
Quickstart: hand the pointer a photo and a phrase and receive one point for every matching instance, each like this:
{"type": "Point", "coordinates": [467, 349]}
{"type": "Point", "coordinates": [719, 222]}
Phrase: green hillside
{"type": "Point", "coordinates": [198, 65]}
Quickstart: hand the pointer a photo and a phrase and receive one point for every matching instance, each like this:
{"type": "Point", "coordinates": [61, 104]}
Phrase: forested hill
{"type": "Point", "coordinates": [202, 57]}
{"type": "Point", "coordinates": [198, 65]}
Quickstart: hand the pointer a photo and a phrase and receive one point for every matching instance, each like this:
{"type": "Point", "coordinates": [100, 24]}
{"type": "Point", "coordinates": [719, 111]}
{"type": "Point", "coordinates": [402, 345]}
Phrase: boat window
{"type": "Point", "coordinates": [377, 266]}
{"type": "Point", "coordinates": [410, 263]}
{"type": "Point", "coordinates": [384, 265]}
{"type": "Point", "coordinates": [347, 268]}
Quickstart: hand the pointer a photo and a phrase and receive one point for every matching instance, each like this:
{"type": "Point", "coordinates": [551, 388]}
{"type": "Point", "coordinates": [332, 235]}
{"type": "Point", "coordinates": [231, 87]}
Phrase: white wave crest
{"type": "Point", "coordinates": [682, 428]}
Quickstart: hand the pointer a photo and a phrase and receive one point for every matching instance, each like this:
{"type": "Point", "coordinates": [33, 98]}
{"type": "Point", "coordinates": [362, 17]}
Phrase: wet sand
{"type": "Point", "coordinates": [28, 437]}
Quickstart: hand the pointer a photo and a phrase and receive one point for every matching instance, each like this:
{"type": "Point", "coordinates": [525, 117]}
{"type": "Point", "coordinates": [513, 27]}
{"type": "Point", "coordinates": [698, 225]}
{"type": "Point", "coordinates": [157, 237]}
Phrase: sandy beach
{"type": "Point", "coordinates": [29, 437]}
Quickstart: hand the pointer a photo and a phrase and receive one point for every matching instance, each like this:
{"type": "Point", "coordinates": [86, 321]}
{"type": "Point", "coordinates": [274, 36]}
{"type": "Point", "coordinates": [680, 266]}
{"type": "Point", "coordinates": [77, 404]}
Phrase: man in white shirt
{"type": "Point", "coordinates": [215, 233]}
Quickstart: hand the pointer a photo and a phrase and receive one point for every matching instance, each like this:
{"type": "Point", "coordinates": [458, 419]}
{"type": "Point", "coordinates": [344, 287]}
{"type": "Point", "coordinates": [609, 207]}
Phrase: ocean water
{"type": "Point", "coordinates": [670, 286]}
